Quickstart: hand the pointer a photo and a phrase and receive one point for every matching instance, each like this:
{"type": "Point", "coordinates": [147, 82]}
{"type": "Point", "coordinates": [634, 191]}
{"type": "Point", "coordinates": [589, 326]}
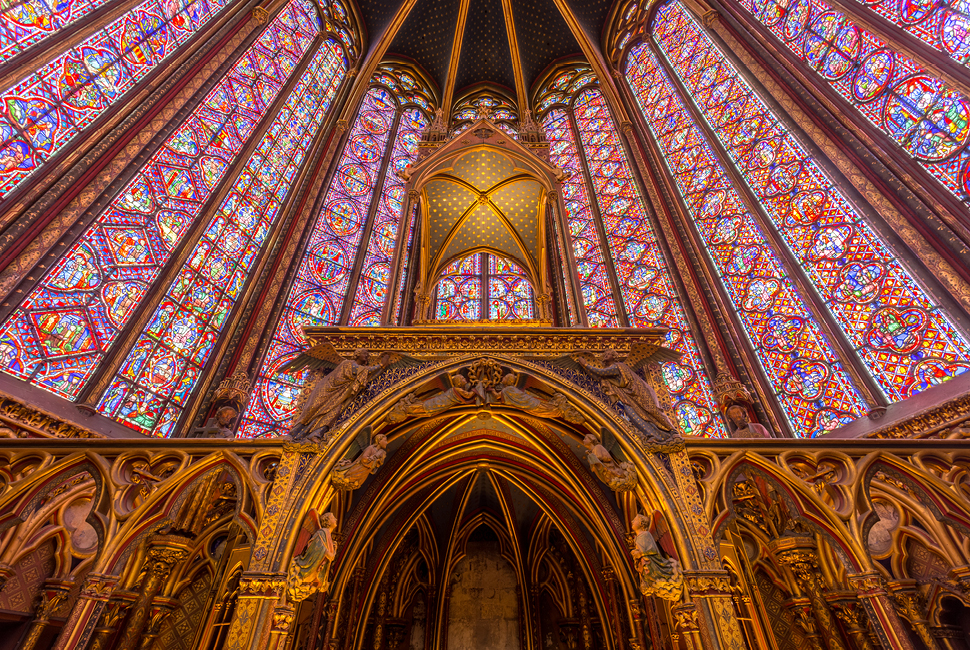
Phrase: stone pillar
{"type": "Point", "coordinates": [52, 594]}
{"type": "Point", "coordinates": [158, 612]}
{"type": "Point", "coordinates": [686, 617]}
{"type": "Point", "coordinates": [801, 610]}
{"type": "Point", "coordinates": [282, 622]}
{"type": "Point", "coordinates": [164, 552]}
{"type": "Point", "coordinates": [609, 578]}
{"type": "Point", "coordinates": [712, 595]}
{"type": "Point", "coordinates": [854, 621]}
{"type": "Point", "coordinates": [799, 554]}
{"type": "Point", "coordinates": [912, 605]}
{"type": "Point", "coordinates": [112, 614]}
{"type": "Point", "coordinates": [639, 640]}
{"type": "Point", "coordinates": [84, 616]}
{"type": "Point", "coordinates": [258, 593]}
{"type": "Point", "coordinates": [881, 611]}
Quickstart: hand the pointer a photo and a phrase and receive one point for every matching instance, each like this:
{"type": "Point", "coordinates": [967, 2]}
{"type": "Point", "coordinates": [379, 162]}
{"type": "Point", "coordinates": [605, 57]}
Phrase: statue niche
{"type": "Point", "coordinates": [484, 383]}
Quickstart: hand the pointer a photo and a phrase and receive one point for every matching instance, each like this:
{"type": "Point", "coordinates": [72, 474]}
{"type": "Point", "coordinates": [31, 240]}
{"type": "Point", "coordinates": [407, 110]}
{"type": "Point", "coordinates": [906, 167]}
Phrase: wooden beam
{"type": "Point", "coordinates": [520, 90]}
{"type": "Point", "coordinates": [449, 93]}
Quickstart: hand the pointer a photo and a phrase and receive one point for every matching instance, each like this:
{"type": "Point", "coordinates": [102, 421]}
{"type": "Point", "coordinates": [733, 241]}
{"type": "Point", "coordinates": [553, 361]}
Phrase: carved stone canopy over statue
{"type": "Point", "coordinates": [621, 477]}
{"type": "Point", "coordinates": [351, 474]}
{"type": "Point", "coordinates": [323, 399]}
{"type": "Point", "coordinates": [659, 576]}
{"type": "Point", "coordinates": [637, 398]}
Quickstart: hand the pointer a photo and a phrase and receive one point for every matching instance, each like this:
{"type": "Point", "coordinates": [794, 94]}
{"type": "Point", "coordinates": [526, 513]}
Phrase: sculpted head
{"type": "Point", "coordinates": [328, 520]}
{"type": "Point", "coordinates": [590, 440]}
{"type": "Point", "coordinates": [508, 380]}
{"type": "Point", "coordinates": [380, 440]}
{"type": "Point", "coordinates": [640, 523]}
{"type": "Point", "coordinates": [610, 355]}
{"type": "Point", "coordinates": [458, 380]}
{"type": "Point", "coordinates": [738, 416]}
{"type": "Point", "coordinates": [362, 356]}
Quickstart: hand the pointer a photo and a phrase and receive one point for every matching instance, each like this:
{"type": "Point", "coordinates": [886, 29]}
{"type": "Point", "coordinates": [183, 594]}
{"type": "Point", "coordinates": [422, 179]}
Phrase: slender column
{"type": "Point", "coordinates": [639, 642]}
{"type": "Point", "coordinates": [609, 577]}
{"type": "Point", "coordinates": [52, 594]}
{"type": "Point", "coordinates": [114, 612]}
{"type": "Point", "coordinates": [87, 611]}
{"type": "Point", "coordinates": [801, 610]}
{"type": "Point", "coordinates": [331, 610]}
{"type": "Point", "coordinates": [802, 559]}
{"type": "Point", "coordinates": [869, 390]}
{"type": "Point", "coordinates": [158, 612]}
{"type": "Point", "coordinates": [400, 255]}
{"type": "Point", "coordinates": [163, 554]}
{"type": "Point", "coordinates": [849, 614]}
{"type": "Point", "coordinates": [280, 630]}
{"type": "Point", "coordinates": [872, 594]}
{"type": "Point", "coordinates": [559, 213]}
{"type": "Point", "coordinates": [717, 622]}
{"type": "Point", "coordinates": [483, 279]}
{"type": "Point", "coordinates": [359, 575]}
{"type": "Point", "coordinates": [685, 614]}
{"type": "Point", "coordinates": [621, 315]}
{"type": "Point", "coordinates": [136, 325]}
{"type": "Point", "coordinates": [912, 605]}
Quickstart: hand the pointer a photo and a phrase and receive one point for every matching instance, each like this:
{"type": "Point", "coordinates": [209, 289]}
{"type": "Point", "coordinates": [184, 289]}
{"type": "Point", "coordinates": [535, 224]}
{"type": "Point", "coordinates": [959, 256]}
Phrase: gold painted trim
{"type": "Point", "coordinates": [453, 60]}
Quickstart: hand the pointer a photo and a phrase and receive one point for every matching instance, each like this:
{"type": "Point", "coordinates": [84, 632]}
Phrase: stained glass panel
{"type": "Point", "coordinates": [942, 24]}
{"type": "Point", "coordinates": [62, 329]}
{"type": "Point", "coordinates": [510, 294]}
{"type": "Point", "coordinates": [587, 247]}
{"type": "Point", "coordinates": [372, 290]}
{"type": "Point", "coordinates": [27, 22]}
{"type": "Point", "coordinates": [319, 289]}
{"type": "Point", "coordinates": [459, 291]}
{"type": "Point", "coordinates": [47, 109]}
{"type": "Point", "coordinates": [901, 334]}
{"type": "Point", "coordinates": [810, 382]}
{"type": "Point", "coordinates": [150, 390]}
{"type": "Point", "coordinates": [645, 284]}
{"type": "Point", "coordinates": [928, 119]}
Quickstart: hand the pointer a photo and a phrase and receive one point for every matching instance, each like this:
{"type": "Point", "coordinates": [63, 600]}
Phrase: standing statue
{"type": "Point", "coordinates": [659, 576]}
{"type": "Point", "coordinates": [351, 474]}
{"type": "Point", "coordinates": [460, 393]}
{"type": "Point", "coordinates": [309, 573]}
{"type": "Point", "coordinates": [621, 477]}
{"type": "Point", "coordinates": [741, 425]}
{"type": "Point", "coordinates": [636, 397]}
{"type": "Point", "coordinates": [325, 399]}
{"type": "Point", "coordinates": [513, 396]}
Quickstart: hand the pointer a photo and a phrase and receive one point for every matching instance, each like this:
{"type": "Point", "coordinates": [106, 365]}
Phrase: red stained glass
{"type": "Point", "coordinates": [893, 323]}
{"type": "Point", "coordinates": [61, 330]}
{"type": "Point", "coordinates": [810, 382]}
{"type": "Point", "coordinates": [459, 291]}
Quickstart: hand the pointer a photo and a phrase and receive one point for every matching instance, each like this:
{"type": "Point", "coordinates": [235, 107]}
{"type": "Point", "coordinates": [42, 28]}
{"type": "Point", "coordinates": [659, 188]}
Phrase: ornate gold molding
{"type": "Point", "coordinates": [18, 420]}
{"type": "Point", "coordinates": [929, 423]}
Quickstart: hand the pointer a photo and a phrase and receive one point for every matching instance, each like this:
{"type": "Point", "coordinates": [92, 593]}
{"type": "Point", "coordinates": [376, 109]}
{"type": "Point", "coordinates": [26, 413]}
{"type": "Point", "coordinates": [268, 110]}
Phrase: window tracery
{"type": "Point", "coordinates": [484, 286]}
{"type": "Point", "coordinates": [63, 328]}
{"type": "Point", "coordinates": [500, 110]}
{"type": "Point", "coordinates": [928, 119]}
{"type": "Point", "coordinates": [646, 288]}
{"type": "Point", "coordinates": [360, 201]}
{"type": "Point", "coordinates": [50, 107]}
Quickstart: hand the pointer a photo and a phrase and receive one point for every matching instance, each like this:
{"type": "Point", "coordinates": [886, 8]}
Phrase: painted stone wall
{"type": "Point", "coordinates": [483, 613]}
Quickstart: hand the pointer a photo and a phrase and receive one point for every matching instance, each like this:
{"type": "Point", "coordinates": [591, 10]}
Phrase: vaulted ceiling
{"type": "Point", "coordinates": [465, 42]}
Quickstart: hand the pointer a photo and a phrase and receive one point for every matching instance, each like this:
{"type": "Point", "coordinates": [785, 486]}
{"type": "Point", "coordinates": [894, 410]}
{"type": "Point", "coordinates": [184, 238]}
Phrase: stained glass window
{"type": "Point", "coordinates": [928, 119]}
{"type": "Point", "coordinates": [62, 329]}
{"type": "Point", "coordinates": [322, 281]}
{"type": "Point", "coordinates": [372, 289]}
{"type": "Point", "coordinates": [150, 389]}
{"type": "Point", "coordinates": [942, 24]}
{"type": "Point", "coordinates": [498, 109]}
{"type": "Point", "coordinates": [899, 332]}
{"type": "Point", "coordinates": [47, 109]}
{"type": "Point", "coordinates": [459, 291]}
{"type": "Point", "coordinates": [810, 382]}
{"type": "Point", "coordinates": [24, 22]}
{"type": "Point", "coordinates": [587, 247]}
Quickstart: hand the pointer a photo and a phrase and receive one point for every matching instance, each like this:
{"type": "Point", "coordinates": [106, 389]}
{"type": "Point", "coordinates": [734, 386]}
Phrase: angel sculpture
{"type": "Point", "coordinates": [621, 477]}
{"type": "Point", "coordinates": [459, 393]}
{"type": "Point", "coordinates": [659, 576]}
{"type": "Point", "coordinates": [351, 474]}
{"type": "Point", "coordinates": [309, 572]}
{"type": "Point", "coordinates": [324, 399]}
{"type": "Point", "coordinates": [636, 397]}
{"type": "Point", "coordinates": [558, 406]}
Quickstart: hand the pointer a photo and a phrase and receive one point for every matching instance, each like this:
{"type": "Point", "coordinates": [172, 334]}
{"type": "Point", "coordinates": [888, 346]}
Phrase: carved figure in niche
{"type": "Point", "coordinates": [636, 397]}
{"type": "Point", "coordinates": [309, 572]}
{"type": "Point", "coordinates": [621, 477]}
{"type": "Point", "coordinates": [741, 425]}
{"type": "Point", "coordinates": [459, 394]}
{"type": "Point", "coordinates": [659, 576]}
{"type": "Point", "coordinates": [323, 400]}
{"type": "Point", "coordinates": [351, 474]}
{"type": "Point", "coordinates": [513, 396]}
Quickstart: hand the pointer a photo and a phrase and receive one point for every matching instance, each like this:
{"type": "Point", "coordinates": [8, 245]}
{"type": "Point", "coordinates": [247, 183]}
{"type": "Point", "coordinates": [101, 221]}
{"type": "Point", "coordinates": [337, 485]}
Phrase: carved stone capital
{"type": "Point", "coordinates": [98, 586]}
{"type": "Point", "coordinates": [52, 594]}
{"type": "Point", "coordinates": [260, 15]}
{"type": "Point", "coordinates": [414, 195]}
{"type": "Point", "coordinates": [708, 583]}
{"type": "Point", "coordinates": [686, 617]}
{"type": "Point", "coordinates": [342, 126]}
{"type": "Point", "coordinates": [235, 388]}
{"type": "Point", "coordinates": [282, 619]}
{"type": "Point", "coordinates": [267, 585]}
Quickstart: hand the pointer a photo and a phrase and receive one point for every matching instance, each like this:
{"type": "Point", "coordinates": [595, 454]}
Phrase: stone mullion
{"type": "Point", "coordinates": [623, 320]}
{"type": "Point", "coordinates": [689, 257]}
{"type": "Point", "coordinates": [907, 196]}
{"type": "Point", "coordinates": [52, 594]}
{"type": "Point", "coordinates": [899, 203]}
{"type": "Point", "coordinates": [878, 604]}
{"type": "Point", "coordinates": [405, 311]}
{"type": "Point", "coordinates": [575, 287]}
{"type": "Point", "coordinates": [483, 279]}
{"type": "Point", "coordinates": [365, 236]}
{"type": "Point", "coordinates": [91, 604]}
{"type": "Point", "coordinates": [163, 554]}
{"type": "Point", "coordinates": [400, 255]}
{"type": "Point", "coordinates": [255, 291]}
{"type": "Point", "coordinates": [38, 213]}
{"type": "Point", "coordinates": [869, 390]}
{"type": "Point", "coordinates": [802, 560]}
{"type": "Point", "coordinates": [138, 322]}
